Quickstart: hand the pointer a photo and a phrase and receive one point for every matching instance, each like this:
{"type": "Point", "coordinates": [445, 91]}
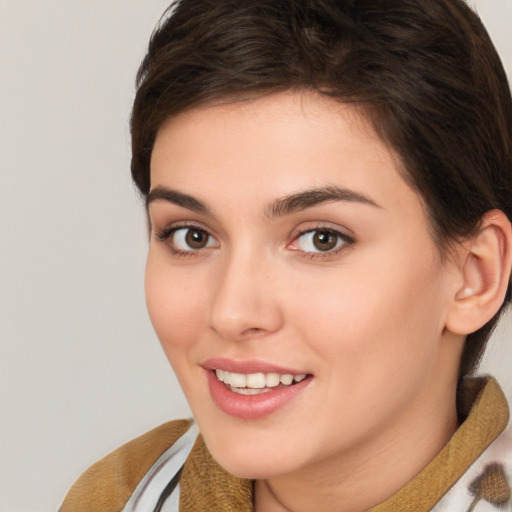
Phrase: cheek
{"type": "Point", "coordinates": [173, 304]}
{"type": "Point", "coordinates": [374, 337]}
{"type": "Point", "coordinates": [378, 321]}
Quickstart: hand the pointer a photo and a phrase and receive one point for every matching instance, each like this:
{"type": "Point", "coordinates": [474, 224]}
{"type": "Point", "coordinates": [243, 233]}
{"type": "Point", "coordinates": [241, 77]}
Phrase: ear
{"type": "Point", "coordinates": [485, 266]}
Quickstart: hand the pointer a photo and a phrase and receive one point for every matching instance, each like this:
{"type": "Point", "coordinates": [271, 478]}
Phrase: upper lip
{"type": "Point", "coordinates": [247, 366]}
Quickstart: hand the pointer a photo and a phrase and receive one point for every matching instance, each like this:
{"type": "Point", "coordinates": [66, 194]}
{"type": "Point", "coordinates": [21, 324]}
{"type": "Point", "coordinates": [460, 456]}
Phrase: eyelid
{"type": "Point", "coordinates": [164, 233]}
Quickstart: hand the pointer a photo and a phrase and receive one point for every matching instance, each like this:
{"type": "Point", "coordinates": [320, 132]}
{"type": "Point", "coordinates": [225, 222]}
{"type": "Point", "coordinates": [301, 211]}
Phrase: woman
{"type": "Point", "coordinates": [329, 194]}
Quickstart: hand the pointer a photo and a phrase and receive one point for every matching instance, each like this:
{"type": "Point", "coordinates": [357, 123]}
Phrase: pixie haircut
{"type": "Point", "coordinates": [424, 73]}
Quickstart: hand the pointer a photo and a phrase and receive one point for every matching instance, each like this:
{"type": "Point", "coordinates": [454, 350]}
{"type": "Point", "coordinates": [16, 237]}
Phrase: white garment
{"type": "Point", "coordinates": [150, 488]}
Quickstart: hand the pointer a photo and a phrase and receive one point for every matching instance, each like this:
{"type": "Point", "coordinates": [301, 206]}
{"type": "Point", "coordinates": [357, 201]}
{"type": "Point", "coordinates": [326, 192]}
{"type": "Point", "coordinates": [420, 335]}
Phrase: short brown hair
{"type": "Point", "coordinates": [424, 71]}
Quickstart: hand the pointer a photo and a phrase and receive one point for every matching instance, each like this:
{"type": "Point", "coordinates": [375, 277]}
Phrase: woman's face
{"type": "Point", "coordinates": [288, 252]}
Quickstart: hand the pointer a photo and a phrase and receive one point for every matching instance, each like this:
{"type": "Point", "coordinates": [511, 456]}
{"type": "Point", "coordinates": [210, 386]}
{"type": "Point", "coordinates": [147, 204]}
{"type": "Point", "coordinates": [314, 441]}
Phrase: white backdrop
{"type": "Point", "coordinates": [81, 371]}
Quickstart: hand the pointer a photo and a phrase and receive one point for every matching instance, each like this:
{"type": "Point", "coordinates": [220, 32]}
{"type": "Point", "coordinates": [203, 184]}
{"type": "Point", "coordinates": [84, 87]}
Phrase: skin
{"type": "Point", "coordinates": [367, 320]}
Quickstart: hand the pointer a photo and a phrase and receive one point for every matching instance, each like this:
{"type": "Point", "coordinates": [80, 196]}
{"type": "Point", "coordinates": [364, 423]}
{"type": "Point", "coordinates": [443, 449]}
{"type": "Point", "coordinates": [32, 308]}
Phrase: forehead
{"type": "Point", "coordinates": [274, 146]}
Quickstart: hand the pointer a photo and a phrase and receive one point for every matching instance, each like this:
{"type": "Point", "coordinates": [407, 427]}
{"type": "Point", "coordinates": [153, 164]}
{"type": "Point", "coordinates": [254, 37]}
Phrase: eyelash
{"type": "Point", "coordinates": [166, 234]}
{"type": "Point", "coordinates": [346, 242]}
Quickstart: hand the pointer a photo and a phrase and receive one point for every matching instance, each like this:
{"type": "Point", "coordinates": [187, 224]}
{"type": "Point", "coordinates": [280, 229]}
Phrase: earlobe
{"type": "Point", "coordinates": [486, 261]}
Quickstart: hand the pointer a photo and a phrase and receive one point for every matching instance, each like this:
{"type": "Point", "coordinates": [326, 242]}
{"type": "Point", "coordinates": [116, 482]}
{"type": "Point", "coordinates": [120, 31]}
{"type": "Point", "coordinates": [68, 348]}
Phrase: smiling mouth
{"type": "Point", "coordinates": [257, 383]}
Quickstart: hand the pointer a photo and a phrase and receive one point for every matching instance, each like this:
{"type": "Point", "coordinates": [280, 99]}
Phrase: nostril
{"type": "Point", "coordinates": [253, 332]}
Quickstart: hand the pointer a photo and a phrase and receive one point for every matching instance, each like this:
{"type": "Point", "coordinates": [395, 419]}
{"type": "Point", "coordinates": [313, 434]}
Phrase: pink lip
{"type": "Point", "coordinates": [252, 407]}
{"type": "Point", "coordinates": [247, 366]}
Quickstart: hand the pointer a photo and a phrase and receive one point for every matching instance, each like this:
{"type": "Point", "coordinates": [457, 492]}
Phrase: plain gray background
{"type": "Point", "coordinates": [81, 371]}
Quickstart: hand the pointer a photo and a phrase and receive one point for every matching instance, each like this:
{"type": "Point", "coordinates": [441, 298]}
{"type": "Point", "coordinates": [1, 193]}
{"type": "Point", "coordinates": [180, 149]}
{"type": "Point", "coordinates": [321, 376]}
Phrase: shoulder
{"type": "Point", "coordinates": [107, 485]}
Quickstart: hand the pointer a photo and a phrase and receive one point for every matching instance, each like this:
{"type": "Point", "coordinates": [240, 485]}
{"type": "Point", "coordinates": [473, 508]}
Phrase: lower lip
{"type": "Point", "coordinates": [251, 407]}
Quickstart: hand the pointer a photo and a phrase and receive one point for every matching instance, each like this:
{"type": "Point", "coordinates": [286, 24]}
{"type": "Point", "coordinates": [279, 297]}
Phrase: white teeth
{"type": "Point", "coordinates": [272, 380]}
{"type": "Point", "coordinates": [237, 380]}
{"type": "Point", "coordinates": [286, 379]}
{"type": "Point", "coordinates": [249, 391]}
{"type": "Point", "coordinates": [256, 381]}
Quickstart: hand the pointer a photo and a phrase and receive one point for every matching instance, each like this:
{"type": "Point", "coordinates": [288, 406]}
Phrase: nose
{"type": "Point", "coordinates": [244, 304]}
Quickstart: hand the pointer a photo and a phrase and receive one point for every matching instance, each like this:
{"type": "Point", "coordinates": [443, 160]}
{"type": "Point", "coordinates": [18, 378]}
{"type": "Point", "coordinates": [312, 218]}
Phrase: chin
{"type": "Point", "coordinates": [248, 458]}
{"type": "Point", "coordinates": [252, 469]}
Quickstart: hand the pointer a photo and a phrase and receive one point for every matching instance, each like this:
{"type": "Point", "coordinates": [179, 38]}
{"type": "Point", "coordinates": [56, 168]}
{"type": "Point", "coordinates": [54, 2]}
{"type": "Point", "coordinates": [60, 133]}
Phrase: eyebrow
{"type": "Point", "coordinates": [309, 198]}
{"type": "Point", "coordinates": [283, 206]}
{"type": "Point", "coordinates": [177, 198]}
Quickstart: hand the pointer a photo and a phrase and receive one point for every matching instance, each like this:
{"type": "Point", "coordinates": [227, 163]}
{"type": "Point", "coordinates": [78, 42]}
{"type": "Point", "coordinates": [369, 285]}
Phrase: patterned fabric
{"type": "Point", "coordinates": [486, 486]}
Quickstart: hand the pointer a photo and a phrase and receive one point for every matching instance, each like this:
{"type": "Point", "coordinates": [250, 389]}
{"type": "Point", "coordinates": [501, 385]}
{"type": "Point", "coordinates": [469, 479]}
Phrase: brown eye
{"type": "Point", "coordinates": [190, 239]}
{"type": "Point", "coordinates": [196, 238]}
{"type": "Point", "coordinates": [322, 240]}
{"type": "Point", "coordinates": [325, 240]}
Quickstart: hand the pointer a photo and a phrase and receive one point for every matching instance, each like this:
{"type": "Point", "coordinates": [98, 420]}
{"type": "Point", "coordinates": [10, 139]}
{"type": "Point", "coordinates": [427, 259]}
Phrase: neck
{"type": "Point", "coordinates": [364, 475]}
